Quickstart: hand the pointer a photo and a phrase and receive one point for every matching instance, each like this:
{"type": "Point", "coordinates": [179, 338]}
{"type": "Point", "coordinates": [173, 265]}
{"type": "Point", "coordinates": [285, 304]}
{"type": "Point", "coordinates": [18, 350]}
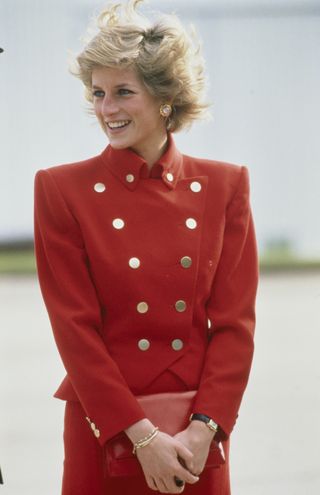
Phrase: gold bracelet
{"type": "Point", "coordinates": [143, 442]}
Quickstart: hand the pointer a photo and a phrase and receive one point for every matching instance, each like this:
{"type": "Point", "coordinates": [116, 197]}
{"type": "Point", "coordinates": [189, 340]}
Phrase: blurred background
{"type": "Point", "coordinates": [263, 67]}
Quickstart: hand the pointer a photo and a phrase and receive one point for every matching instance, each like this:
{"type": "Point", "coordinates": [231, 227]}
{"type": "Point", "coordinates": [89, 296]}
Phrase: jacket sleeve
{"type": "Point", "coordinates": [75, 313]}
{"type": "Point", "coordinates": [231, 310]}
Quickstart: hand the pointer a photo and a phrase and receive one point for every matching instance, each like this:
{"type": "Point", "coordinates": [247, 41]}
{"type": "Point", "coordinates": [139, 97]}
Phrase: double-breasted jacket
{"type": "Point", "coordinates": [144, 272]}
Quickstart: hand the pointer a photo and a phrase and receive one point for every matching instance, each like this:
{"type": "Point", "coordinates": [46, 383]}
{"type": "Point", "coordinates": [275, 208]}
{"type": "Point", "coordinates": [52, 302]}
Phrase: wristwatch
{"type": "Point", "coordinates": [212, 425]}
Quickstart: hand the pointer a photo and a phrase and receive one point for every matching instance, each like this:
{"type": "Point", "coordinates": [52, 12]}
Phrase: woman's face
{"type": "Point", "coordinates": [127, 112]}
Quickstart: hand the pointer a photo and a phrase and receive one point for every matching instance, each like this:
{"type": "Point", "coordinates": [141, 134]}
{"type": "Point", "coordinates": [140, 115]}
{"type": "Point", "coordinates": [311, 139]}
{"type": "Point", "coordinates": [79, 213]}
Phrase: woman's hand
{"type": "Point", "coordinates": [160, 458]}
{"type": "Point", "coordinates": [160, 464]}
{"type": "Point", "coordinates": [197, 438]}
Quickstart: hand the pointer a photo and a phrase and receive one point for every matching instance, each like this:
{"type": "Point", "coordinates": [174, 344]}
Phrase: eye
{"type": "Point", "coordinates": [124, 92]}
{"type": "Point", "coordinates": [98, 93]}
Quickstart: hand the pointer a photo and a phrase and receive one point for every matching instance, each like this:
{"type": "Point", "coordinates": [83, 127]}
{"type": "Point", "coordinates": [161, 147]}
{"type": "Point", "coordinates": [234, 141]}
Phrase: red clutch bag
{"type": "Point", "coordinates": [170, 412]}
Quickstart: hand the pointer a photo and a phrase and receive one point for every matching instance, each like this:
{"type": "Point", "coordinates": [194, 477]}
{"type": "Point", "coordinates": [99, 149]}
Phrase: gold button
{"type": "Point", "coordinates": [93, 426]}
{"type": "Point", "coordinates": [96, 433]}
{"type": "Point", "coordinates": [177, 344]}
{"type": "Point", "coordinates": [142, 307]}
{"type": "Point", "coordinates": [181, 306]}
{"type": "Point", "coordinates": [118, 223]}
{"type": "Point", "coordinates": [169, 177]}
{"type": "Point", "coordinates": [99, 187]}
{"type": "Point", "coordinates": [195, 186]}
{"type": "Point", "coordinates": [134, 263]}
{"type": "Point", "coordinates": [191, 223]}
{"type": "Point", "coordinates": [143, 344]}
{"type": "Point", "coordinates": [209, 323]}
{"type": "Point", "coordinates": [130, 178]}
{"type": "Point", "coordinates": [186, 261]}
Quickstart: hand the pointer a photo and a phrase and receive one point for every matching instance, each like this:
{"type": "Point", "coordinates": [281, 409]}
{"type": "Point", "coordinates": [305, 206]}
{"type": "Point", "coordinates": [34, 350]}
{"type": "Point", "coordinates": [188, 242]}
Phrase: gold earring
{"type": "Point", "coordinates": [165, 110]}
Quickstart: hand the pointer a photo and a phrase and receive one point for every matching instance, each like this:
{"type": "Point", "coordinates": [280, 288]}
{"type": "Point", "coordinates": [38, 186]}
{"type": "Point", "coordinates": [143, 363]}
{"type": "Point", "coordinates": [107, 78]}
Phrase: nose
{"type": "Point", "coordinates": [109, 106]}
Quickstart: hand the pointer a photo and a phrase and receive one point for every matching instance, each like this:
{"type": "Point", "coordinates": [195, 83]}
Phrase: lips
{"type": "Point", "coordinates": [118, 124]}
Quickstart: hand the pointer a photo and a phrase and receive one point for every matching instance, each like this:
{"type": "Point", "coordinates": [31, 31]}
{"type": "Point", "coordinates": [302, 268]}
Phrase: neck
{"type": "Point", "coordinates": [154, 151]}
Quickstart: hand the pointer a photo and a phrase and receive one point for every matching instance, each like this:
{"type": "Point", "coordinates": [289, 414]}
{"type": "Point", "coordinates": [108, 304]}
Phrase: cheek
{"type": "Point", "coordinates": [97, 107]}
{"type": "Point", "coordinates": [152, 117]}
{"type": "Point", "coordinates": [98, 114]}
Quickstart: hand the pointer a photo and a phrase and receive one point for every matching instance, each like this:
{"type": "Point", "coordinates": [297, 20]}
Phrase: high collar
{"type": "Point", "coordinates": [130, 168]}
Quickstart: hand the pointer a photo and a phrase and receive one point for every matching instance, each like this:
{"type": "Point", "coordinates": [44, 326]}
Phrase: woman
{"type": "Point", "coordinates": [138, 249]}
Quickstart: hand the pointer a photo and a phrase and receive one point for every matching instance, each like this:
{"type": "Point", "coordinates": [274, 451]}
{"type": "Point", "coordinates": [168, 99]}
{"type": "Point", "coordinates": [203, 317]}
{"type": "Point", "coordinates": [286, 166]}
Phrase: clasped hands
{"type": "Point", "coordinates": [182, 457]}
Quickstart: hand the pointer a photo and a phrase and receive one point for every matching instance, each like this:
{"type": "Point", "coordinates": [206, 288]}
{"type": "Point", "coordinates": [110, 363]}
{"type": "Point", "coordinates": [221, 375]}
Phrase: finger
{"type": "Point", "coordinates": [197, 472]}
{"type": "Point", "coordinates": [173, 486]}
{"type": "Point", "coordinates": [190, 467]}
{"type": "Point", "coordinates": [186, 476]}
{"type": "Point", "coordinates": [162, 486]}
{"type": "Point", "coordinates": [198, 469]}
{"type": "Point", "coordinates": [185, 454]}
{"type": "Point", "coordinates": [151, 483]}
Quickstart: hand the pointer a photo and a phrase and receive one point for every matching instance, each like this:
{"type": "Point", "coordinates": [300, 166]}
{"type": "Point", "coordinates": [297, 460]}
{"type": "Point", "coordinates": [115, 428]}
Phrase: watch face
{"type": "Point", "coordinates": [213, 423]}
{"type": "Point", "coordinates": [206, 419]}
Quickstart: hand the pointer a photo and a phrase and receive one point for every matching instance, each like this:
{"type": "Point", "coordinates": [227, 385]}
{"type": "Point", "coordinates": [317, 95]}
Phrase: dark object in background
{"type": "Point", "coordinates": [1, 479]}
{"type": "Point", "coordinates": [1, 50]}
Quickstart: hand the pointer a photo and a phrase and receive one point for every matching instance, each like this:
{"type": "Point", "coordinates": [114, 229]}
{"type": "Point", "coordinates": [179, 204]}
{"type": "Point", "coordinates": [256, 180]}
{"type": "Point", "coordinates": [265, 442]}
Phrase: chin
{"type": "Point", "coordinates": [118, 145]}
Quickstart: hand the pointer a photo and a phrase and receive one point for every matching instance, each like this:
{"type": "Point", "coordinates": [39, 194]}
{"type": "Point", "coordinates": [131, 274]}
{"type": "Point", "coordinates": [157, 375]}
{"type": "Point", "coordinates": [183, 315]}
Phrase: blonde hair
{"type": "Point", "coordinates": [166, 58]}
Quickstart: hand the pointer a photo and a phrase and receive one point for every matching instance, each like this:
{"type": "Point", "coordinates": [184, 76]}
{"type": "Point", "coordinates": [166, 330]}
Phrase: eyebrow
{"type": "Point", "coordinates": [94, 86]}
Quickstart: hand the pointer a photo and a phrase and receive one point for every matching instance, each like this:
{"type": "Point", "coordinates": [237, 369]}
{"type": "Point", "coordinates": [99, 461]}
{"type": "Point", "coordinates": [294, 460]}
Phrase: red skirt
{"type": "Point", "coordinates": [84, 472]}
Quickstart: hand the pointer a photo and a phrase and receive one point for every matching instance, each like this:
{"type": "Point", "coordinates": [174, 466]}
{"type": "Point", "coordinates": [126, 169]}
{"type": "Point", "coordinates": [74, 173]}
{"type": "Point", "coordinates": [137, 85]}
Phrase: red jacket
{"type": "Point", "coordinates": [132, 265]}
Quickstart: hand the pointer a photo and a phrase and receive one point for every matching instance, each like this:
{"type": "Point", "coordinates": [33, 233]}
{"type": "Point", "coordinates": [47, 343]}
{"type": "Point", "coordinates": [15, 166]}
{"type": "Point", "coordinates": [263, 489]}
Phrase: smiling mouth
{"type": "Point", "coordinates": [120, 124]}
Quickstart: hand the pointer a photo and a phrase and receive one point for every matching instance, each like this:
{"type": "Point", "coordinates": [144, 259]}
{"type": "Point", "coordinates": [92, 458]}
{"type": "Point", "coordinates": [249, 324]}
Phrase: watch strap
{"type": "Point", "coordinates": [212, 425]}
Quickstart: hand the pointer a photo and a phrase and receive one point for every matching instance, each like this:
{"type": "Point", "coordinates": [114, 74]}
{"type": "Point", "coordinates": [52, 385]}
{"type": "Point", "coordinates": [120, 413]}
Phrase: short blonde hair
{"type": "Point", "coordinates": [167, 59]}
